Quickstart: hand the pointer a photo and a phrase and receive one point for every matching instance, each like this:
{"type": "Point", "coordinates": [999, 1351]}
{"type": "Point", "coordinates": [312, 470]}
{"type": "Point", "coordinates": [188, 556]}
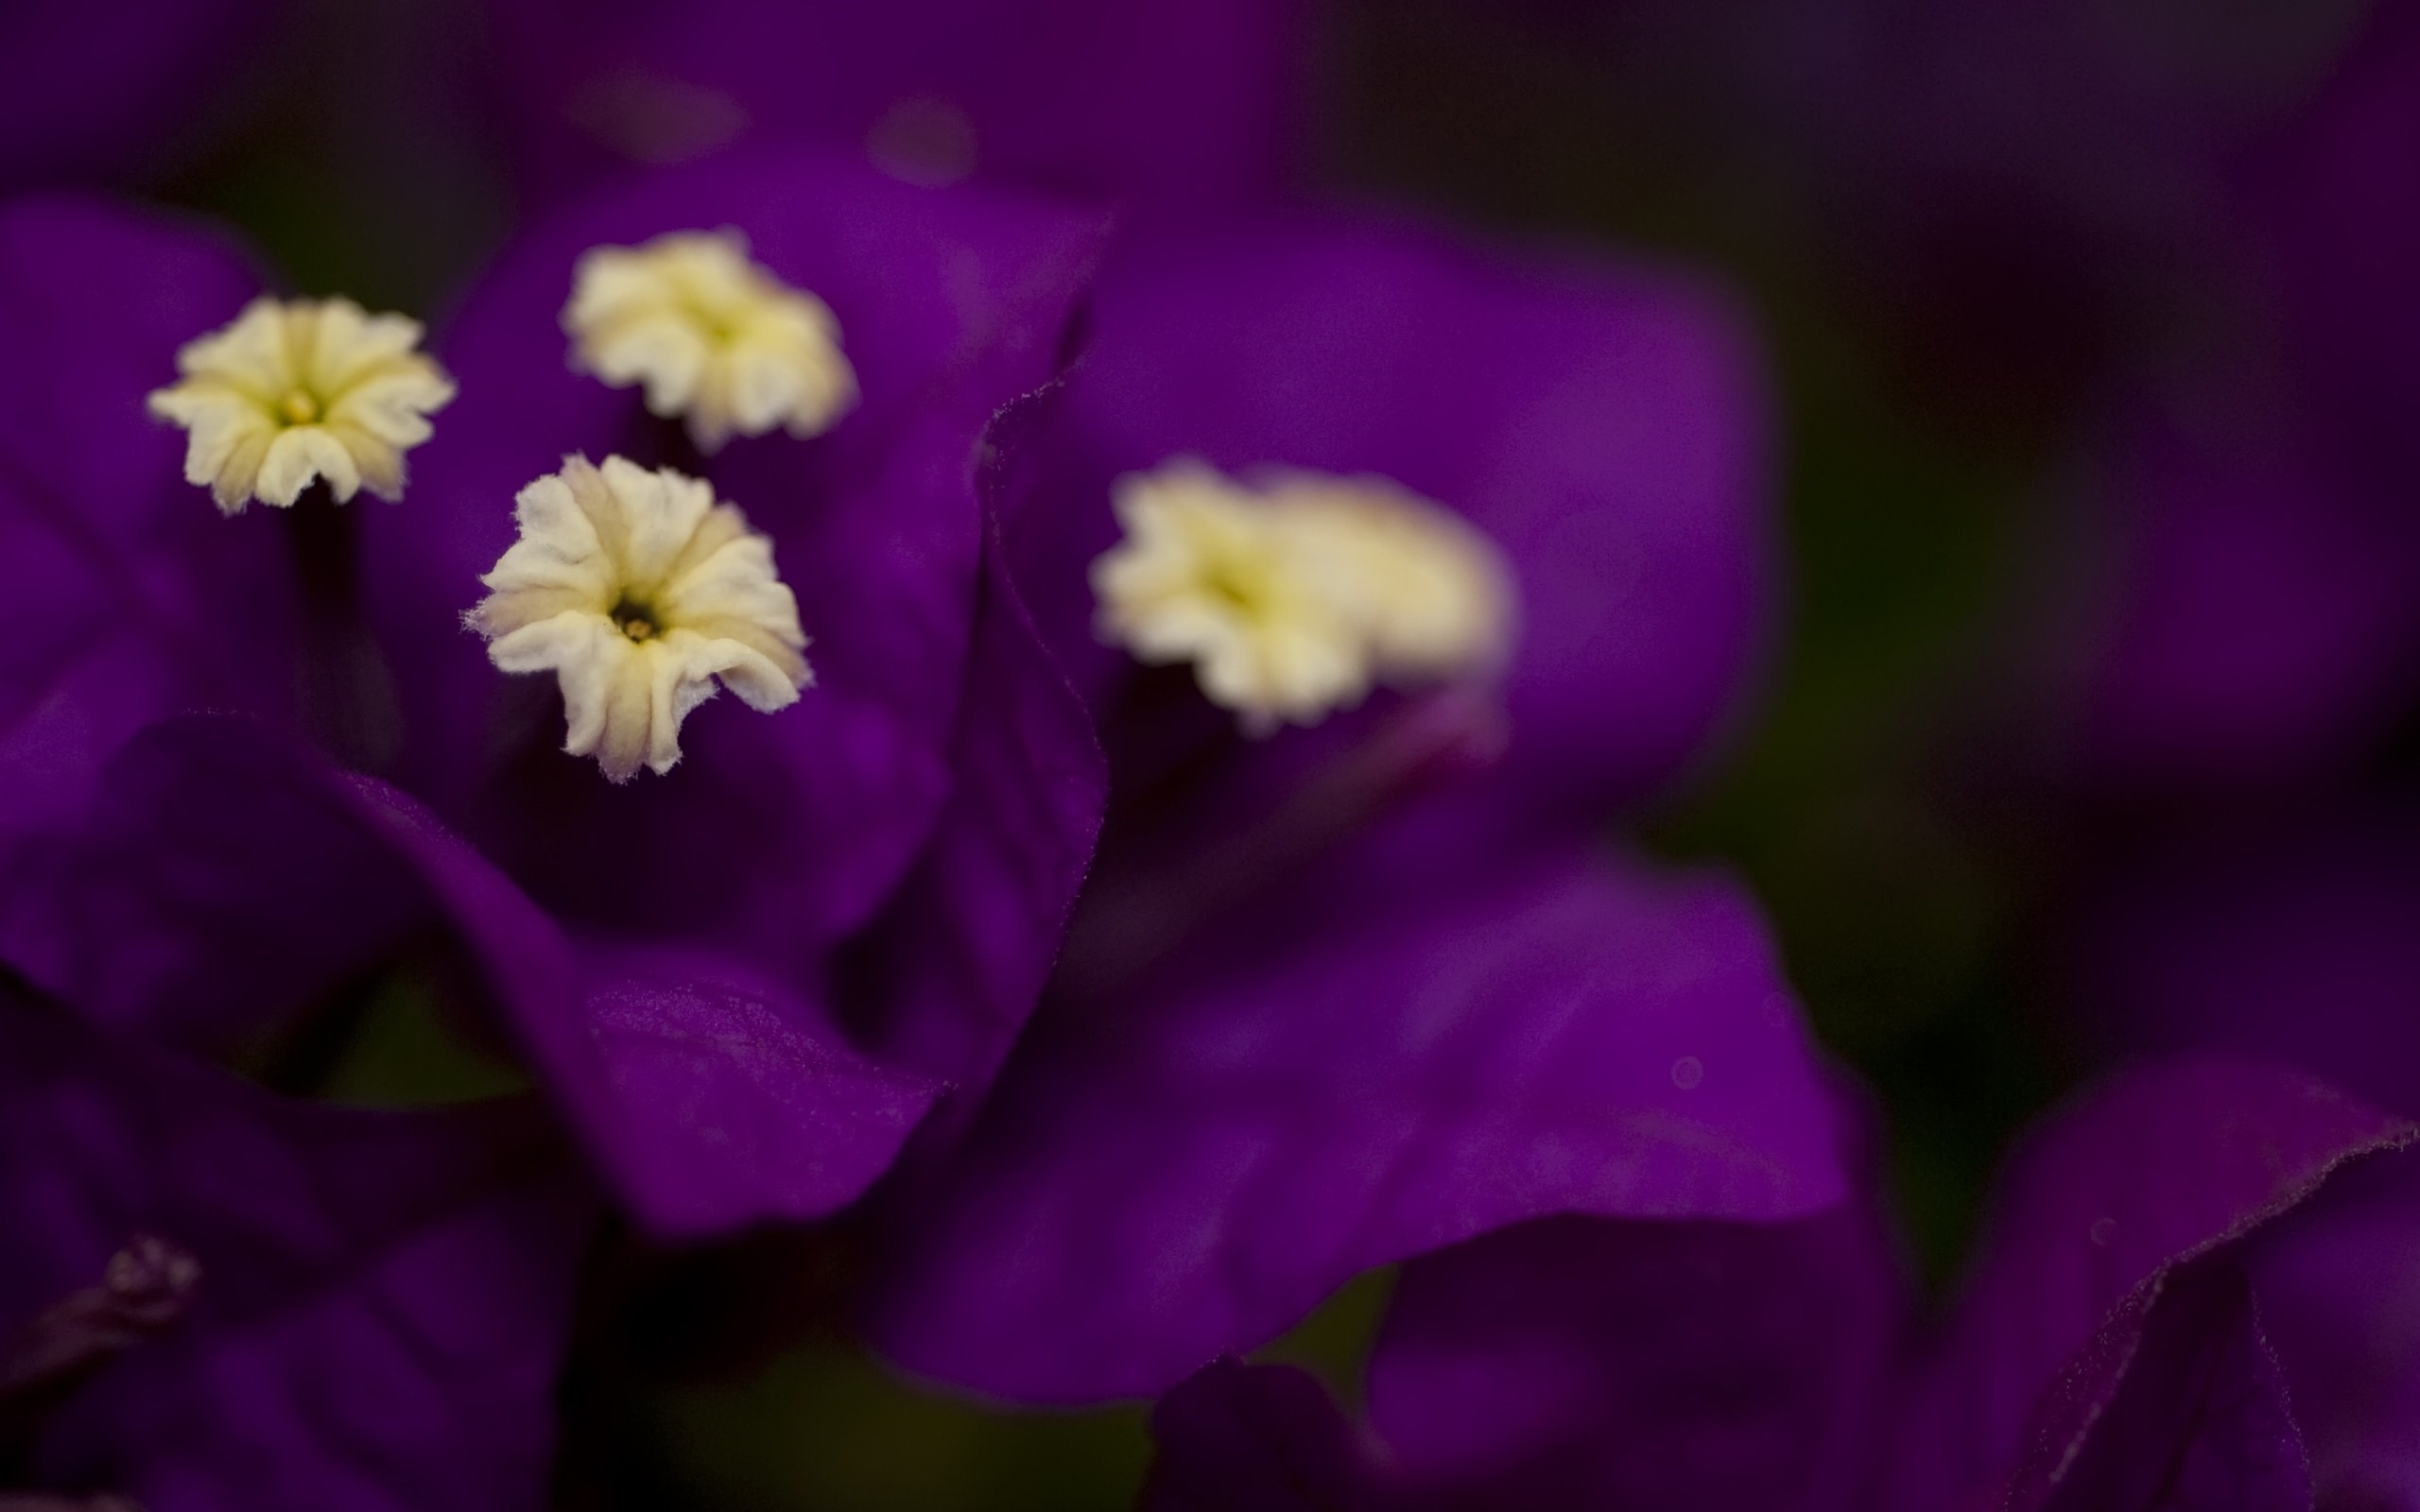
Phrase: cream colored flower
{"type": "Point", "coordinates": [639, 592]}
{"type": "Point", "coordinates": [298, 389]}
{"type": "Point", "coordinates": [1292, 599]}
{"type": "Point", "coordinates": [710, 335]}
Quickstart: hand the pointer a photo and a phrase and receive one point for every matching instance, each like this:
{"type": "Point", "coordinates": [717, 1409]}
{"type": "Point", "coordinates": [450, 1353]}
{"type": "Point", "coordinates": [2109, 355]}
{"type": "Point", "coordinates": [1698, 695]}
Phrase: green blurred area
{"type": "Point", "coordinates": [1905, 902]}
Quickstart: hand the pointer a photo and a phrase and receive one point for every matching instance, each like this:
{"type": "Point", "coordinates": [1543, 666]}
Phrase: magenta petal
{"type": "Point", "coordinates": [1166, 1181]}
{"type": "Point", "coordinates": [2096, 1214]}
{"type": "Point", "coordinates": [383, 1297]}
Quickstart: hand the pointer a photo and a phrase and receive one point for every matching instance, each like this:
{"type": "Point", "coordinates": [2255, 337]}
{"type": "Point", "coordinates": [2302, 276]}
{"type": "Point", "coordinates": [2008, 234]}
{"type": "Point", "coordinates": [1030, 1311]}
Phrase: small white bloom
{"type": "Point", "coordinates": [299, 389]}
{"type": "Point", "coordinates": [1292, 599]}
{"type": "Point", "coordinates": [639, 592]}
{"type": "Point", "coordinates": [710, 335]}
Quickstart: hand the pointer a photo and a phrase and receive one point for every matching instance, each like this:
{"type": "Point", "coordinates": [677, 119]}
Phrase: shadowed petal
{"type": "Point", "coordinates": [1157, 1186]}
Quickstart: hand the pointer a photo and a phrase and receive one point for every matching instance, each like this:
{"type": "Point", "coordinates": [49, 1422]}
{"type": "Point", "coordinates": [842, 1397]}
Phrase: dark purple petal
{"type": "Point", "coordinates": [216, 888]}
{"type": "Point", "coordinates": [2098, 1210]}
{"type": "Point", "coordinates": [134, 599]}
{"type": "Point", "coordinates": [1174, 101]}
{"type": "Point", "coordinates": [777, 834]}
{"type": "Point", "coordinates": [2180, 1405]}
{"type": "Point", "coordinates": [958, 959]}
{"type": "Point", "coordinates": [1605, 424]}
{"type": "Point", "coordinates": [712, 1095]}
{"type": "Point", "coordinates": [2339, 1292]}
{"type": "Point", "coordinates": [2337, 211]}
{"type": "Point", "coordinates": [2258, 618]}
{"type": "Point", "coordinates": [1165, 1178]}
{"type": "Point", "coordinates": [2294, 943]}
{"type": "Point", "coordinates": [116, 86]}
{"type": "Point", "coordinates": [382, 1299]}
{"type": "Point", "coordinates": [1237, 1438]}
{"type": "Point", "coordinates": [1581, 1361]}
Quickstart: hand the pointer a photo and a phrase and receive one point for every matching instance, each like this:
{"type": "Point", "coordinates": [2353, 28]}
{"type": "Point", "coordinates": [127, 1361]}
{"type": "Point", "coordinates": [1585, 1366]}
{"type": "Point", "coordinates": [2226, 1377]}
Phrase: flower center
{"type": "Point", "coordinates": [611, 562]}
{"type": "Point", "coordinates": [633, 619]}
{"type": "Point", "coordinates": [710, 335]}
{"type": "Point", "coordinates": [296, 390]}
{"type": "Point", "coordinates": [1293, 597]}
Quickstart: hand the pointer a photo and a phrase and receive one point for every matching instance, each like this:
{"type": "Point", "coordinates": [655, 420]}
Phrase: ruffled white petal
{"type": "Point", "coordinates": [1293, 600]}
{"type": "Point", "coordinates": [708, 336]}
{"type": "Point", "coordinates": [294, 392]}
{"type": "Point", "coordinates": [642, 594]}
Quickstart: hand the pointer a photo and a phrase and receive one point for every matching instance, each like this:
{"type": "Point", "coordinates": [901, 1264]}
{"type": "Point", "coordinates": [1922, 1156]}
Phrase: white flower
{"type": "Point", "coordinates": [1292, 599]}
{"type": "Point", "coordinates": [710, 335]}
{"type": "Point", "coordinates": [639, 592]}
{"type": "Point", "coordinates": [299, 389]}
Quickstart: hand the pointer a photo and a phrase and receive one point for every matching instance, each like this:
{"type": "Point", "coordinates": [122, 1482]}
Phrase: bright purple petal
{"type": "Point", "coordinates": [1174, 101]}
{"type": "Point", "coordinates": [134, 598]}
{"type": "Point", "coordinates": [776, 835]}
{"type": "Point", "coordinates": [958, 958]}
{"type": "Point", "coordinates": [2096, 1213]}
{"type": "Point", "coordinates": [383, 1297]}
{"type": "Point", "coordinates": [712, 1095]}
{"type": "Point", "coordinates": [1165, 1178]}
{"type": "Point", "coordinates": [1603, 422]}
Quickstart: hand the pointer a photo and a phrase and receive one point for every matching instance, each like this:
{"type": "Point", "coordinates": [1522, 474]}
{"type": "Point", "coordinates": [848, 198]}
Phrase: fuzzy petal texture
{"type": "Point", "coordinates": [1177, 102]}
{"type": "Point", "coordinates": [134, 599]}
{"type": "Point", "coordinates": [2101, 1210]}
{"type": "Point", "coordinates": [383, 1298]}
{"type": "Point", "coordinates": [2339, 1294]}
{"type": "Point", "coordinates": [1186, 1175]}
{"type": "Point", "coordinates": [779, 833]}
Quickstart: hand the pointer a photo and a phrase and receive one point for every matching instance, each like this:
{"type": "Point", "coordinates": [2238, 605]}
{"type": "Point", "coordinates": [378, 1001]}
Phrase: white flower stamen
{"type": "Point", "coordinates": [639, 592]}
{"type": "Point", "coordinates": [298, 389]}
{"type": "Point", "coordinates": [1293, 597]}
{"type": "Point", "coordinates": [710, 335]}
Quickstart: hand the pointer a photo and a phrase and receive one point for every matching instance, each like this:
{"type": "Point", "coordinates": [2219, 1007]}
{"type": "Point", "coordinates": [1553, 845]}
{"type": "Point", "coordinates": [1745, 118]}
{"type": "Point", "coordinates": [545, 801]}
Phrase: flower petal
{"type": "Point", "coordinates": [1152, 1188]}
